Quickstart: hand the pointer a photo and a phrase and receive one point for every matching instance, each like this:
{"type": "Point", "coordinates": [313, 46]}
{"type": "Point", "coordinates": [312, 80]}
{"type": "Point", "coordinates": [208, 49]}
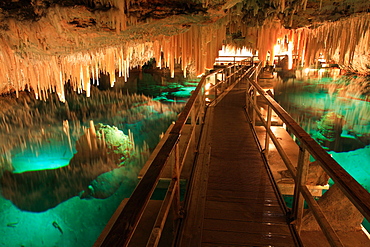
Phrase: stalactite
{"type": "Point", "coordinates": [267, 37]}
{"type": "Point", "coordinates": [45, 54]}
{"type": "Point", "coordinates": [29, 60]}
{"type": "Point", "coordinates": [346, 41]}
{"type": "Point", "coordinates": [198, 45]}
{"type": "Point", "coordinates": [44, 72]}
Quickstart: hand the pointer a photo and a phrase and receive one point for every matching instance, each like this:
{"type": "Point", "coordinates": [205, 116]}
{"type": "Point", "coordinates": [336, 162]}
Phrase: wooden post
{"type": "Point", "coordinates": [255, 97]}
{"type": "Point", "coordinates": [229, 77]}
{"type": "Point", "coordinates": [202, 104]}
{"type": "Point", "coordinates": [215, 85]}
{"type": "Point", "coordinates": [233, 77]}
{"type": "Point", "coordinates": [193, 118]}
{"type": "Point", "coordinates": [301, 179]}
{"type": "Point", "coordinates": [255, 104]}
{"type": "Point", "coordinates": [256, 74]}
{"type": "Point", "coordinates": [247, 96]}
{"type": "Point", "coordinates": [216, 79]}
{"type": "Point", "coordinates": [160, 222]}
{"type": "Point", "coordinates": [267, 139]}
{"type": "Point", "coordinates": [176, 177]}
{"type": "Point", "coordinates": [225, 79]}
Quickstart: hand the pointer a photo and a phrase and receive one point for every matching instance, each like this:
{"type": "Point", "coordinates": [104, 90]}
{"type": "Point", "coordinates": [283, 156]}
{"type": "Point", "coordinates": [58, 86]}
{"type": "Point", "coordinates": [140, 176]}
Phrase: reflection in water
{"type": "Point", "coordinates": [52, 195]}
{"type": "Point", "coordinates": [336, 112]}
{"type": "Point", "coordinates": [315, 103]}
{"type": "Point", "coordinates": [160, 85]}
{"type": "Point", "coordinates": [101, 149]}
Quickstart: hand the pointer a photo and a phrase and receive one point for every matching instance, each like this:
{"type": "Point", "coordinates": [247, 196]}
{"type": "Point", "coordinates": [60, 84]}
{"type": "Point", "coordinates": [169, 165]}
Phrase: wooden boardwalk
{"type": "Point", "coordinates": [233, 202]}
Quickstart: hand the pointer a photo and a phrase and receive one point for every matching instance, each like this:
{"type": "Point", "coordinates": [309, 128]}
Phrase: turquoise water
{"type": "Point", "coordinates": [51, 156]}
{"type": "Point", "coordinates": [161, 87]}
{"type": "Point", "coordinates": [77, 221]}
{"type": "Point", "coordinates": [73, 212]}
{"type": "Point", "coordinates": [309, 100]}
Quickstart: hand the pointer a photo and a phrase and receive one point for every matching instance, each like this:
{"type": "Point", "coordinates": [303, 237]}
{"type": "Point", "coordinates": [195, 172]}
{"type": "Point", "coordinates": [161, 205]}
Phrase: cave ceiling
{"type": "Point", "coordinates": [92, 20]}
{"type": "Point", "coordinates": [306, 13]}
{"type": "Point", "coordinates": [70, 32]}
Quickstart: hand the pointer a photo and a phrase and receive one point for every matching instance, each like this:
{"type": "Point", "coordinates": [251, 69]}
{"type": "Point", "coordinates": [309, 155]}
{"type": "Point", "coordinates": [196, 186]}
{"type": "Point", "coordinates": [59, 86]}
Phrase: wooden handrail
{"type": "Point", "coordinates": [356, 193]}
{"type": "Point", "coordinates": [323, 222]}
{"type": "Point", "coordinates": [278, 146]}
{"type": "Point", "coordinates": [184, 115]}
{"type": "Point", "coordinates": [120, 232]}
{"type": "Point", "coordinates": [123, 228]}
{"type": "Point", "coordinates": [350, 187]}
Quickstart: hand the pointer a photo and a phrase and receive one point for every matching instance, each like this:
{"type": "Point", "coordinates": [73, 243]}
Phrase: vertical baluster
{"type": "Point", "coordinates": [247, 96]}
{"type": "Point", "coordinates": [238, 75]}
{"type": "Point", "coordinates": [202, 103]}
{"type": "Point", "coordinates": [267, 139]}
{"type": "Point", "coordinates": [172, 196]}
{"type": "Point", "coordinates": [254, 92]}
{"type": "Point", "coordinates": [234, 74]}
{"type": "Point", "coordinates": [255, 97]}
{"type": "Point", "coordinates": [193, 119]}
{"type": "Point", "coordinates": [301, 179]}
{"type": "Point", "coordinates": [230, 72]}
{"type": "Point", "coordinates": [176, 176]}
{"type": "Point", "coordinates": [224, 81]}
{"type": "Point", "coordinates": [215, 87]}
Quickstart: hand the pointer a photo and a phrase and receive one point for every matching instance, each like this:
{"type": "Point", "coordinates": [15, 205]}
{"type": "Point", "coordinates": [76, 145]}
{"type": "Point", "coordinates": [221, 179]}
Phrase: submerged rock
{"type": "Point", "coordinates": [329, 130]}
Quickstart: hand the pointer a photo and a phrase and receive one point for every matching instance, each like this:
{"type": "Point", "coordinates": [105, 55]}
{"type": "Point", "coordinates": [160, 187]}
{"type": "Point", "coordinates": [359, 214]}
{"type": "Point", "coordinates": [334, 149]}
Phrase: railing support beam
{"type": "Point", "coordinates": [298, 200]}
{"type": "Point", "coordinates": [176, 177]}
{"type": "Point", "coordinates": [267, 139]}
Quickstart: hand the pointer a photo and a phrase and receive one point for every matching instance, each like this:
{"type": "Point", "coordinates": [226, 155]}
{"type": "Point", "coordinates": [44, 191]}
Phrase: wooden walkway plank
{"type": "Point", "coordinates": [219, 238]}
{"type": "Point", "coordinates": [242, 226]}
{"type": "Point", "coordinates": [240, 204]}
{"type": "Point", "coordinates": [229, 196]}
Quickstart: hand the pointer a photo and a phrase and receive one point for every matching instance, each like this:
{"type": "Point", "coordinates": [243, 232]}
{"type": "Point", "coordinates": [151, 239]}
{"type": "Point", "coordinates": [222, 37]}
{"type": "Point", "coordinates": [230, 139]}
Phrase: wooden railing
{"type": "Point", "coordinates": [122, 226]}
{"type": "Point", "coordinates": [236, 59]}
{"type": "Point", "coordinates": [212, 87]}
{"type": "Point", "coordinates": [307, 147]}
